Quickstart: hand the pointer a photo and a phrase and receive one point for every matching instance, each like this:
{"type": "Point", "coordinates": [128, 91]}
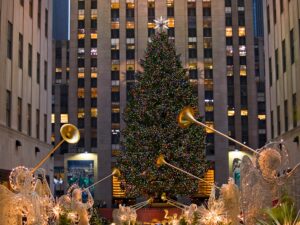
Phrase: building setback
{"type": "Point", "coordinates": [216, 42]}
{"type": "Point", "coordinates": [282, 62]}
{"type": "Point", "coordinates": [25, 84]}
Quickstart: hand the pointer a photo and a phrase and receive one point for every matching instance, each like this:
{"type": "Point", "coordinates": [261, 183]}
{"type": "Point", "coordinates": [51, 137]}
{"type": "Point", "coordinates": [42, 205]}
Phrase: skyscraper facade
{"type": "Point", "coordinates": [282, 27]}
{"type": "Point", "coordinates": [216, 42]}
{"type": "Point", "coordinates": [25, 83]}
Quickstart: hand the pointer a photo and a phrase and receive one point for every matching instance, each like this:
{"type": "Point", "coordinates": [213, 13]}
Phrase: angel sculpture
{"type": "Point", "coordinates": [263, 180]}
{"type": "Point", "coordinates": [30, 201]}
{"type": "Point", "coordinates": [230, 195]}
{"type": "Point", "coordinates": [189, 213]}
{"type": "Point", "coordinates": [124, 214]}
{"type": "Point", "coordinates": [214, 212]}
{"type": "Point", "coordinates": [72, 202]}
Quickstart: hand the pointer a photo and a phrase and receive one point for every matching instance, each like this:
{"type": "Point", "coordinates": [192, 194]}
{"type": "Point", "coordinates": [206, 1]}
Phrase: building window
{"type": "Point", "coordinates": [276, 64]}
{"type": "Point", "coordinates": [274, 11]}
{"type": "Point", "coordinates": [37, 124]}
{"type": "Point", "coordinates": [292, 46]}
{"type": "Point", "coordinates": [268, 18]}
{"type": "Point", "coordinates": [45, 127]}
{"type": "Point", "coordinates": [295, 110]}
{"type": "Point", "coordinates": [45, 75]}
{"type": "Point", "coordinates": [8, 108]}
{"type": "Point", "coordinates": [20, 58]}
{"type": "Point", "coordinates": [283, 56]}
{"type": "Point", "coordinates": [39, 12]}
{"type": "Point", "coordinates": [94, 4]}
{"type": "Point", "coordinates": [80, 4]}
{"type": "Point", "coordinates": [278, 121]}
{"type": "Point", "coordinates": [29, 119]}
{"type": "Point", "coordinates": [286, 117]}
{"type": "Point", "coordinates": [29, 60]}
{"type": "Point", "coordinates": [270, 72]}
{"type": "Point", "coordinates": [31, 8]}
{"type": "Point", "coordinates": [9, 40]}
{"type": "Point", "coordinates": [46, 22]}
{"type": "Point", "coordinates": [281, 6]}
{"type": "Point", "coordinates": [38, 67]}
{"type": "Point", "coordinates": [22, 2]}
{"type": "Point", "coordinates": [19, 114]}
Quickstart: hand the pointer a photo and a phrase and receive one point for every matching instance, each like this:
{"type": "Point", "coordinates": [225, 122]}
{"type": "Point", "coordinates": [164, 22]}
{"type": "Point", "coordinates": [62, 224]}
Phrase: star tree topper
{"type": "Point", "coordinates": [161, 24]}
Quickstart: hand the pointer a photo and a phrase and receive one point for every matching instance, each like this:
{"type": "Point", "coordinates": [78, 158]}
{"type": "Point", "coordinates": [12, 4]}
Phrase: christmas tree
{"type": "Point", "coordinates": [160, 92]}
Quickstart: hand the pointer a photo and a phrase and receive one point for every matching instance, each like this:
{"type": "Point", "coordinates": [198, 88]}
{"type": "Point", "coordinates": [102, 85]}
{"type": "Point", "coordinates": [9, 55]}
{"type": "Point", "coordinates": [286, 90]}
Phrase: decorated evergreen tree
{"type": "Point", "coordinates": [160, 92]}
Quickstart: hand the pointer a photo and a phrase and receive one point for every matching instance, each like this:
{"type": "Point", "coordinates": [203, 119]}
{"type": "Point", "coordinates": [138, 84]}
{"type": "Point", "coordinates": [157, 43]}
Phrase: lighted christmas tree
{"type": "Point", "coordinates": [160, 92]}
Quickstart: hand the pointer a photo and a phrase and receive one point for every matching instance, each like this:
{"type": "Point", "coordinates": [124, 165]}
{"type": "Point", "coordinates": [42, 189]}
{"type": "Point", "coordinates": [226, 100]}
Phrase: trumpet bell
{"type": "Point", "coordinates": [70, 133]}
{"type": "Point", "coordinates": [164, 197]}
{"type": "Point", "coordinates": [160, 160]}
{"type": "Point", "coordinates": [186, 117]}
{"type": "Point", "coordinates": [116, 172]}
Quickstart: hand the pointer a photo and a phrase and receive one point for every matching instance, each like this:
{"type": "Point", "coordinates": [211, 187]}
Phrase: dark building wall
{"type": "Point", "coordinates": [258, 18]}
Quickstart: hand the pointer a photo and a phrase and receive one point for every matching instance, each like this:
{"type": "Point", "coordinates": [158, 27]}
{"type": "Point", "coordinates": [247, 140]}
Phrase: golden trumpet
{"type": "Point", "coordinates": [69, 133]}
{"type": "Point", "coordinates": [187, 117]}
{"type": "Point", "coordinates": [160, 160]}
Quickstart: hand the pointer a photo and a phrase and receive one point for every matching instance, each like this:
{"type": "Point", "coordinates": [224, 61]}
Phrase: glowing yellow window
{"type": "Point", "coordinates": [52, 118]}
{"type": "Point", "coordinates": [81, 36]}
{"type": "Point", "coordinates": [208, 66]}
{"type": "Point", "coordinates": [209, 108]}
{"type": "Point", "coordinates": [80, 93]}
{"type": "Point", "coordinates": [151, 25]}
{"type": "Point", "coordinates": [130, 25]}
{"type": "Point", "coordinates": [130, 5]}
{"type": "Point", "coordinates": [243, 70]}
{"type": "Point", "coordinates": [130, 67]}
{"type": "Point", "coordinates": [170, 3]}
{"type": "Point", "coordinates": [94, 35]}
{"type": "Point", "coordinates": [228, 31]}
{"type": "Point", "coordinates": [115, 110]}
{"type": "Point", "coordinates": [94, 14]}
{"type": "Point", "coordinates": [93, 92]}
{"type": "Point", "coordinates": [115, 67]}
{"type": "Point", "coordinates": [64, 118]}
{"type": "Point", "coordinates": [193, 66]}
{"type": "Point", "coordinates": [80, 75]}
{"type": "Point", "coordinates": [93, 75]}
{"type": "Point", "coordinates": [171, 22]}
{"type": "Point", "coordinates": [115, 5]}
{"type": "Point", "coordinates": [244, 112]}
{"type": "Point", "coordinates": [230, 112]}
{"type": "Point", "coordinates": [58, 70]}
{"type": "Point", "coordinates": [242, 31]}
{"type": "Point", "coordinates": [230, 70]}
{"type": "Point", "coordinates": [262, 117]}
{"type": "Point", "coordinates": [115, 25]}
{"type": "Point", "coordinates": [94, 112]}
{"type": "Point", "coordinates": [52, 138]}
{"type": "Point", "coordinates": [211, 125]}
{"type": "Point", "coordinates": [80, 115]}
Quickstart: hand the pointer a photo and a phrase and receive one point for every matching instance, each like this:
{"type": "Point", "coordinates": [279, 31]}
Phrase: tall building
{"type": "Point", "coordinates": [282, 38]}
{"type": "Point", "coordinates": [216, 42]}
{"type": "Point", "coordinates": [25, 84]}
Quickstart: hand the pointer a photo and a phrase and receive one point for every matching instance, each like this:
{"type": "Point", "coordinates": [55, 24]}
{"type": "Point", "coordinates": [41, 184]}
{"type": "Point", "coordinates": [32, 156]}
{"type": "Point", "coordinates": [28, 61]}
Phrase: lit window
{"type": "Point", "coordinates": [230, 70]}
{"type": "Point", "coordinates": [130, 25]}
{"type": "Point", "coordinates": [94, 35]}
{"type": "Point", "coordinates": [80, 113]}
{"type": "Point", "coordinates": [229, 50]}
{"type": "Point", "coordinates": [64, 118]}
{"type": "Point", "coordinates": [58, 70]}
{"type": "Point", "coordinates": [94, 52]}
{"type": "Point", "coordinates": [115, 4]}
{"type": "Point", "coordinates": [52, 118]}
{"type": "Point", "coordinates": [262, 117]}
{"type": "Point", "coordinates": [242, 50]}
{"type": "Point", "coordinates": [228, 31]}
{"type": "Point", "coordinates": [115, 110]}
{"type": "Point", "coordinates": [244, 112]}
{"type": "Point", "coordinates": [130, 4]}
{"type": "Point", "coordinates": [170, 3]}
{"type": "Point", "coordinates": [151, 25]}
{"type": "Point", "coordinates": [209, 107]}
{"type": "Point", "coordinates": [208, 65]}
{"type": "Point", "coordinates": [243, 70]}
{"type": "Point", "coordinates": [80, 75]}
{"type": "Point", "coordinates": [93, 75]}
{"type": "Point", "coordinates": [80, 93]}
{"type": "Point", "coordinates": [81, 14]}
{"type": "Point", "coordinates": [211, 125]}
{"type": "Point", "coordinates": [171, 22]}
{"type": "Point", "coordinates": [115, 67]}
{"type": "Point", "coordinates": [94, 14]}
{"type": "Point", "coordinates": [81, 36]}
{"type": "Point", "coordinates": [242, 31]}
{"type": "Point", "coordinates": [192, 66]}
{"type": "Point", "coordinates": [94, 112]}
{"type": "Point", "coordinates": [115, 25]}
{"type": "Point", "coordinates": [230, 112]}
{"type": "Point", "coordinates": [130, 67]}
{"type": "Point", "coordinates": [93, 92]}
{"type": "Point", "coordinates": [207, 42]}
{"type": "Point", "coordinates": [115, 43]}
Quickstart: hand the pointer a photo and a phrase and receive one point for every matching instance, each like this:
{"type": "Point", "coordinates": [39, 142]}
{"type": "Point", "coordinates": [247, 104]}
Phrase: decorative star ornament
{"type": "Point", "coordinates": [161, 24]}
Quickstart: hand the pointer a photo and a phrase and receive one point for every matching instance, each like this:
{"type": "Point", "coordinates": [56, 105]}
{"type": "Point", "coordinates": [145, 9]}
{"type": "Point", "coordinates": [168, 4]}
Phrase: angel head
{"type": "Point", "coordinates": [77, 194]}
{"type": "Point", "coordinates": [22, 180]}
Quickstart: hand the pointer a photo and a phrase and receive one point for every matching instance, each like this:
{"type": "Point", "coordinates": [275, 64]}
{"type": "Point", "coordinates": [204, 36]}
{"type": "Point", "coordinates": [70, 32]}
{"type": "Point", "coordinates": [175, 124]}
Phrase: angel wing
{"type": "Point", "coordinates": [290, 184]}
{"type": "Point", "coordinates": [65, 202]}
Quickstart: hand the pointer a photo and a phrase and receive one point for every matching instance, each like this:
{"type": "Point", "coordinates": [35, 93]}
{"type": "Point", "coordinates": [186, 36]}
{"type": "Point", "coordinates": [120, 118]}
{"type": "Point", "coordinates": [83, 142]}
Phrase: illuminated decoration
{"type": "Point", "coordinates": [161, 24]}
{"type": "Point", "coordinates": [128, 214]}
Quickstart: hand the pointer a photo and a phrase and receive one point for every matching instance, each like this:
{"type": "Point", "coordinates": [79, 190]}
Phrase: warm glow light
{"type": "Point", "coordinates": [64, 118]}
{"type": "Point", "coordinates": [230, 112]}
{"type": "Point", "coordinates": [261, 117]}
{"type": "Point", "coordinates": [228, 31]}
{"type": "Point", "coordinates": [52, 118]}
{"type": "Point", "coordinates": [244, 112]}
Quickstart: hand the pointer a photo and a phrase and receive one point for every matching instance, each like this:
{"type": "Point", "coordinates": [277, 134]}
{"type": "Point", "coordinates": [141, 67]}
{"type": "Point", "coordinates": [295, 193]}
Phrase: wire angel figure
{"type": "Point", "coordinates": [230, 195]}
{"type": "Point", "coordinates": [189, 213]}
{"type": "Point", "coordinates": [124, 214]}
{"type": "Point", "coordinates": [214, 213]}
{"type": "Point", "coordinates": [263, 179]}
{"type": "Point", "coordinates": [28, 203]}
